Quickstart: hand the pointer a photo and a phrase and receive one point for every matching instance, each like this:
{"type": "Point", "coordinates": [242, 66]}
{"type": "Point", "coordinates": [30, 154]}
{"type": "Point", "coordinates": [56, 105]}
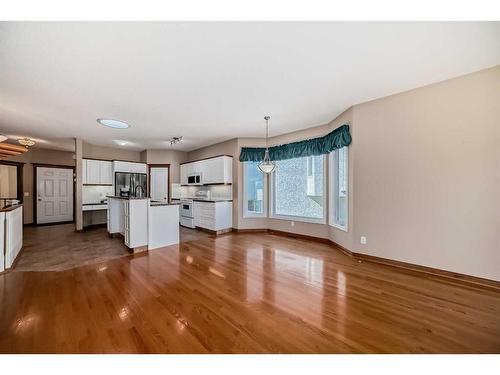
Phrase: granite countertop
{"type": "Point", "coordinates": [128, 198]}
{"type": "Point", "coordinates": [211, 200]}
{"type": "Point", "coordinates": [163, 203]}
{"type": "Point", "coordinates": [11, 208]}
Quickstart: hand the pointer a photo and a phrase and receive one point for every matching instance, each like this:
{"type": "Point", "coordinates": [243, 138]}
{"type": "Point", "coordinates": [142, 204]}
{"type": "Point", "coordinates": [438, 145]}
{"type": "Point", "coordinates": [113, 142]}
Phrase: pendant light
{"type": "Point", "coordinates": [267, 166]}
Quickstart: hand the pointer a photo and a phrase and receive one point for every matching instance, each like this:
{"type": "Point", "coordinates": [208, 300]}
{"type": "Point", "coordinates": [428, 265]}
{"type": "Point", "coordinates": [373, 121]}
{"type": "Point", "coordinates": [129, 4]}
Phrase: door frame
{"type": "Point", "coordinates": [168, 180]}
{"type": "Point", "coordinates": [19, 175]}
{"type": "Point", "coordinates": [35, 192]}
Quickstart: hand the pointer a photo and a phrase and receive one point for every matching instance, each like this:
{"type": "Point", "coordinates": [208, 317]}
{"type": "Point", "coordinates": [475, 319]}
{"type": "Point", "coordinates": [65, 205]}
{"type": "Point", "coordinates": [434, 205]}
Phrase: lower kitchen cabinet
{"type": "Point", "coordinates": [214, 216]}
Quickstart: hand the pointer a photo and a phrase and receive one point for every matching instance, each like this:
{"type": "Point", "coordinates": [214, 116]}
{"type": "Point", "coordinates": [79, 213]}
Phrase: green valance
{"type": "Point", "coordinates": [338, 138]}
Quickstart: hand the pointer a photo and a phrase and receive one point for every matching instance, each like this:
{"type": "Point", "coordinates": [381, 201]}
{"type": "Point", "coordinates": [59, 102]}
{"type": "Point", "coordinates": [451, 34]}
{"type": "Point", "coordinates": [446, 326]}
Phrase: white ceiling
{"type": "Point", "coordinates": [212, 81]}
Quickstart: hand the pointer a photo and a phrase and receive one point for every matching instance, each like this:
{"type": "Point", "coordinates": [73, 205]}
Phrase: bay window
{"type": "Point", "coordinates": [297, 189]}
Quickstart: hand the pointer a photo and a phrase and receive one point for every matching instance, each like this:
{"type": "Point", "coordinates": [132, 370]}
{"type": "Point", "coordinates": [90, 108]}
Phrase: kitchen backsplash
{"type": "Point", "coordinates": [94, 194]}
{"type": "Point", "coordinates": [216, 191]}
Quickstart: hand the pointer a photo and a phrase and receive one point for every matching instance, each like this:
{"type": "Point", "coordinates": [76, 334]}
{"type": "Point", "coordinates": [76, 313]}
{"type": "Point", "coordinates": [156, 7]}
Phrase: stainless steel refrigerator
{"type": "Point", "coordinates": [134, 185]}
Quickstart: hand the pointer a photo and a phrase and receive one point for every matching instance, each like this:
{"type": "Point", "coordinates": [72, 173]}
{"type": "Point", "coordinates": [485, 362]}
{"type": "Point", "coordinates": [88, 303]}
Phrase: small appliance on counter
{"type": "Point", "coordinates": [202, 194]}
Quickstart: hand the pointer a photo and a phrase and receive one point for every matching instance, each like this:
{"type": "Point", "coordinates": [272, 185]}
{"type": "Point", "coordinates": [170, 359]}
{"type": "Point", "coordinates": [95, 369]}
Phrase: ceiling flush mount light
{"type": "Point", "coordinates": [267, 166]}
{"type": "Point", "coordinates": [174, 140]}
{"type": "Point", "coordinates": [115, 124]}
{"type": "Point", "coordinates": [122, 143]}
{"type": "Point", "coordinates": [3, 138]}
{"type": "Point", "coordinates": [26, 142]}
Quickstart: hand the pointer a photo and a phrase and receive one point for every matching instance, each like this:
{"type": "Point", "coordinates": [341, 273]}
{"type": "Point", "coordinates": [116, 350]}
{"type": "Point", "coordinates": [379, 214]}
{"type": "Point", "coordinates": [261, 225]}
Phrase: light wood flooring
{"type": "Point", "coordinates": [240, 293]}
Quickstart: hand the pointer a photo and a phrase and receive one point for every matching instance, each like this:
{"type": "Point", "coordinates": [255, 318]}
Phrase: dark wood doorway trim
{"type": "Point", "coordinates": [35, 191]}
{"type": "Point", "coordinates": [168, 179]}
{"type": "Point", "coordinates": [19, 175]}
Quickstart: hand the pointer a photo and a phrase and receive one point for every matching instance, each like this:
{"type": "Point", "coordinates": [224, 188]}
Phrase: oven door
{"type": "Point", "coordinates": [186, 209]}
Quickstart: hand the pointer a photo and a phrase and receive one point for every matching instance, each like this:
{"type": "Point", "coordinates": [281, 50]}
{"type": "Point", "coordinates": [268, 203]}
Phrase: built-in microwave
{"type": "Point", "coordinates": [195, 179]}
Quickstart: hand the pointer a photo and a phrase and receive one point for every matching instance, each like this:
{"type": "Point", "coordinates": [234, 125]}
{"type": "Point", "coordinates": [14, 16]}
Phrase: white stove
{"type": "Point", "coordinates": [186, 210]}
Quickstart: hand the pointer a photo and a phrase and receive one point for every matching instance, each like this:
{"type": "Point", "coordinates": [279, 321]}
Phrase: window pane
{"type": "Point", "coordinates": [254, 189]}
{"type": "Point", "coordinates": [339, 183]}
{"type": "Point", "coordinates": [298, 187]}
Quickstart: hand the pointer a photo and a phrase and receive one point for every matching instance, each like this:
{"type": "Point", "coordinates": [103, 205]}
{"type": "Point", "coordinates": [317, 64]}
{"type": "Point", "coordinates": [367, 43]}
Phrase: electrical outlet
{"type": "Point", "coordinates": [292, 223]}
{"type": "Point", "coordinates": [363, 240]}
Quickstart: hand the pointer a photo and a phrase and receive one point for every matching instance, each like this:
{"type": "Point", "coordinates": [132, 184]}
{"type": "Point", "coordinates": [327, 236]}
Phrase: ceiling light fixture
{"type": "Point", "coordinates": [267, 165]}
{"type": "Point", "coordinates": [3, 138]}
{"type": "Point", "coordinates": [173, 141]}
{"type": "Point", "coordinates": [115, 124]}
{"type": "Point", "coordinates": [26, 142]}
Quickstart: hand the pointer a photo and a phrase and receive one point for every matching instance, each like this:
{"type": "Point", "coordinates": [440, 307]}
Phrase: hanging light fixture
{"type": "Point", "coordinates": [267, 165]}
{"type": "Point", "coordinates": [27, 142]}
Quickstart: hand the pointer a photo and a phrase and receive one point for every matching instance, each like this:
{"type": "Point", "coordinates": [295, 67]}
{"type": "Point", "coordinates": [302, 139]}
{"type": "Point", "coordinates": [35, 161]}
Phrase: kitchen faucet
{"type": "Point", "coordinates": [135, 191]}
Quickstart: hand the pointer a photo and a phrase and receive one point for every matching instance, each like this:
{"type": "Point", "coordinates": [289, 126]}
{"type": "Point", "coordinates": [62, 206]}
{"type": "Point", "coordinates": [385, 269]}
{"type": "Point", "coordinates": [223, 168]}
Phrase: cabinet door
{"type": "Point", "coordinates": [93, 171]}
{"type": "Point", "coordinates": [184, 174]}
{"type": "Point", "coordinates": [105, 172]}
{"type": "Point", "coordinates": [84, 171]}
{"type": "Point", "coordinates": [228, 169]}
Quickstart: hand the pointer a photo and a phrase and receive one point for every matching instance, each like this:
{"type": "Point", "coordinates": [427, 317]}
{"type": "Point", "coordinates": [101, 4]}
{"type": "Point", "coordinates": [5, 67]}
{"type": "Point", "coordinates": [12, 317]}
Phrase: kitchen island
{"type": "Point", "coordinates": [11, 235]}
{"type": "Point", "coordinates": [143, 223]}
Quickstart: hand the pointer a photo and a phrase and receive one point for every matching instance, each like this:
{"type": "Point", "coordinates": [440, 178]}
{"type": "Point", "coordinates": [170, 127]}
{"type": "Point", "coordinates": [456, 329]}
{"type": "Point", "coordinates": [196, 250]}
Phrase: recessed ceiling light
{"type": "Point", "coordinates": [115, 124]}
{"type": "Point", "coordinates": [121, 143]}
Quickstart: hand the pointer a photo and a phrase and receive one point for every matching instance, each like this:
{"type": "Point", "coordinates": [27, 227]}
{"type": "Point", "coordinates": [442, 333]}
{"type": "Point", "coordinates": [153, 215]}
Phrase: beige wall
{"type": "Point", "coordinates": [172, 157]}
{"type": "Point", "coordinates": [427, 175]}
{"type": "Point", "coordinates": [109, 153]}
{"type": "Point", "coordinates": [38, 156]}
{"type": "Point", "coordinates": [8, 181]}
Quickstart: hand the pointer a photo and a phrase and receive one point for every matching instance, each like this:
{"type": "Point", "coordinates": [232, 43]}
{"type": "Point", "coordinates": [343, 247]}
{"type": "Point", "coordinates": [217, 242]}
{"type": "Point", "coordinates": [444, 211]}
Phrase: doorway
{"type": "Point", "coordinates": [159, 181]}
{"type": "Point", "coordinates": [54, 194]}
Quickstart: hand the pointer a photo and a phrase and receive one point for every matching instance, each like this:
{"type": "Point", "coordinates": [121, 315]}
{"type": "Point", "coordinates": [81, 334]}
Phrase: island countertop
{"type": "Point", "coordinates": [11, 208]}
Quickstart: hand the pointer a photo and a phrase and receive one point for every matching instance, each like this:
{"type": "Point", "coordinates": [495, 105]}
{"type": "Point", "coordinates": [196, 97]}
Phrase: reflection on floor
{"type": "Point", "coordinates": [59, 247]}
{"type": "Point", "coordinates": [241, 293]}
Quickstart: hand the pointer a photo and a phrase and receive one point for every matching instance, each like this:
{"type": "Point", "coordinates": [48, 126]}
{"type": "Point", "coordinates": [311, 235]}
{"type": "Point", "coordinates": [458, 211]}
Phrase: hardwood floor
{"type": "Point", "coordinates": [59, 247]}
{"type": "Point", "coordinates": [244, 293]}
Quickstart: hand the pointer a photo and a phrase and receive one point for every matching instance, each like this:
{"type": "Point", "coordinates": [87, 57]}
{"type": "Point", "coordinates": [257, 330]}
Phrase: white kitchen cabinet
{"type": "Point", "coordinates": [97, 172]}
{"type": "Point", "coordinates": [105, 172]}
{"type": "Point", "coordinates": [130, 167]}
{"type": "Point", "coordinates": [214, 216]}
{"type": "Point", "coordinates": [92, 171]}
{"type": "Point", "coordinates": [217, 170]}
{"type": "Point", "coordinates": [84, 171]}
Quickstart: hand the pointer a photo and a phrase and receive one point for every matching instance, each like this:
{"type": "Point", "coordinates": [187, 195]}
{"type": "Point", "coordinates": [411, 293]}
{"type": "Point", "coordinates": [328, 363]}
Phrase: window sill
{"type": "Point", "coordinates": [299, 219]}
{"type": "Point", "coordinates": [342, 228]}
{"type": "Point", "coordinates": [254, 216]}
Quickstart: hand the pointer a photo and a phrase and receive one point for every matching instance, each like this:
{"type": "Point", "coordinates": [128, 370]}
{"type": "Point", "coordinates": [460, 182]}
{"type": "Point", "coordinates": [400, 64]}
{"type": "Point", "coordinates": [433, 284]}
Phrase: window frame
{"type": "Point", "coordinates": [272, 201]}
{"type": "Point", "coordinates": [246, 213]}
{"type": "Point", "coordinates": [332, 182]}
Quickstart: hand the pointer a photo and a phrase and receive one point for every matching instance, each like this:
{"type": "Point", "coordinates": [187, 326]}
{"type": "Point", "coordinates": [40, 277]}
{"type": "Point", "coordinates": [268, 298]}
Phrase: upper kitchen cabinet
{"type": "Point", "coordinates": [97, 172]}
{"type": "Point", "coordinates": [129, 167]}
{"type": "Point", "coordinates": [106, 172]}
{"type": "Point", "coordinates": [212, 171]}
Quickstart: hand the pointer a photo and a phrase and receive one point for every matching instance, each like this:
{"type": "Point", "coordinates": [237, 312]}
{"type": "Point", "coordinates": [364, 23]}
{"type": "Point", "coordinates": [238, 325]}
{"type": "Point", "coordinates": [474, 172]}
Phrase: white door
{"type": "Point", "coordinates": [159, 183]}
{"type": "Point", "coordinates": [54, 195]}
